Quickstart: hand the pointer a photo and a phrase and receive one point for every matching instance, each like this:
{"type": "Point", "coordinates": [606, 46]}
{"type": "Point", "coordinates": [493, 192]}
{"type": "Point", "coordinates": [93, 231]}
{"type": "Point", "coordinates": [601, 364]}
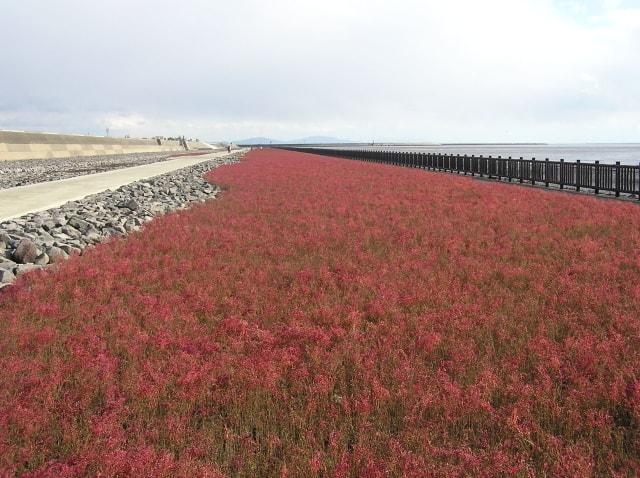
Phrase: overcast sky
{"type": "Point", "coordinates": [404, 70]}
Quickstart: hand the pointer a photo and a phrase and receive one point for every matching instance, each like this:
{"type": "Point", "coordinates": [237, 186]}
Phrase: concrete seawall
{"type": "Point", "coordinates": [20, 145]}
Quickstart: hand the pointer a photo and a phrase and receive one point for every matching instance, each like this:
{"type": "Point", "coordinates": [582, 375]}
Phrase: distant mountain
{"type": "Point", "coordinates": [306, 140]}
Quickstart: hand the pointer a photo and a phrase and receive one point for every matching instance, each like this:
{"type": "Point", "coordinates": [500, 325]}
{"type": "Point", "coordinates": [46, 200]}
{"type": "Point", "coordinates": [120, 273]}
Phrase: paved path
{"type": "Point", "coordinates": [21, 200]}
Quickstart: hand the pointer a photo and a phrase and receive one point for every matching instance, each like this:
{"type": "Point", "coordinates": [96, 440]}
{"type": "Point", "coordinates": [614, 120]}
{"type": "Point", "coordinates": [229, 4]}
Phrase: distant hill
{"type": "Point", "coordinates": [306, 140]}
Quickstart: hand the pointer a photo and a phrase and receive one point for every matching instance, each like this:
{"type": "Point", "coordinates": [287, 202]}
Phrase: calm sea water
{"type": "Point", "coordinates": [627, 153]}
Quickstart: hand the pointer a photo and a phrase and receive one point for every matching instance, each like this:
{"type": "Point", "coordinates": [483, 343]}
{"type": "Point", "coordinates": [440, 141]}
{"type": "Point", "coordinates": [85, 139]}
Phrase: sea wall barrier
{"type": "Point", "coordinates": [16, 145]}
{"type": "Point", "coordinates": [598, 177]}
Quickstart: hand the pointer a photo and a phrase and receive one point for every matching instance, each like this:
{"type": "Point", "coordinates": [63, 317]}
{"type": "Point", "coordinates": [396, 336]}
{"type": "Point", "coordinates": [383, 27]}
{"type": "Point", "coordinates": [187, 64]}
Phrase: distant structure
{"type": "Point", "coordinates": [16, 145]}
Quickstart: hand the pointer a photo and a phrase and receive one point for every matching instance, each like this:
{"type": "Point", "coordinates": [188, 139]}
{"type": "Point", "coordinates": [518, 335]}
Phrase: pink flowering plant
{"type": "Point", "coordinates": [335, 318]}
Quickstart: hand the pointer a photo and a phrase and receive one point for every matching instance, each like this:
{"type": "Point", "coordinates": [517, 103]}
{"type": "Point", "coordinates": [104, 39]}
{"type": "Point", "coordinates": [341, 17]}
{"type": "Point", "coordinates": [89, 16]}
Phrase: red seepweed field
{"type": "Point", "coordinates": [335, 318]}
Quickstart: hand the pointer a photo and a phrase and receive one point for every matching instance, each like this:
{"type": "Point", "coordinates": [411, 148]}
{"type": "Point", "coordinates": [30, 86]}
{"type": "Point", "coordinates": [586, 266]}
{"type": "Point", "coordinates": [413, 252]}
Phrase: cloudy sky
{"type": "Point", "coordinates": [404, 70]}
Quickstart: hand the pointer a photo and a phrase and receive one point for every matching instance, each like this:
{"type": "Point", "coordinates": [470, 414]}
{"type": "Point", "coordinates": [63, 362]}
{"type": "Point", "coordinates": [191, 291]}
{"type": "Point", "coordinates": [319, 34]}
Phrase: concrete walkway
{"type": "Point", "coordinates": [21, 200]}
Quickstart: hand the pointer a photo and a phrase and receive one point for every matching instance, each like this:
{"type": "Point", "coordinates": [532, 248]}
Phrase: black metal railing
{"type": "Point", "coordinates": [615, 178]}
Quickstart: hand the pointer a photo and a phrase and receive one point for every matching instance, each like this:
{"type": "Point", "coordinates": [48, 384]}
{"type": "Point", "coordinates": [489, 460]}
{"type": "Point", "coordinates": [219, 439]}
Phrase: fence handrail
{"type": "Point", "coordinates": [615, 178]}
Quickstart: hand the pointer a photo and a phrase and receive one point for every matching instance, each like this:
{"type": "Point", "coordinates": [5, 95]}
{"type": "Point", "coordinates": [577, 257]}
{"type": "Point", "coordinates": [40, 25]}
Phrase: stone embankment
{"type": "Point", "coordinates": [32, 171]}
{"type": "Point", "coordinates": [17, 145]}
{"type": "Point", "coordinates": [41, 239]}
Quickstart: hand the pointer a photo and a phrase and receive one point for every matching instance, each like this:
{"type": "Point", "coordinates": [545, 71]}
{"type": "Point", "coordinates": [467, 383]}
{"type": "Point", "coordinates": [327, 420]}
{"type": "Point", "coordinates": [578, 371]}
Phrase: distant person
{"type": "Point", "coordinates": [228, 148]}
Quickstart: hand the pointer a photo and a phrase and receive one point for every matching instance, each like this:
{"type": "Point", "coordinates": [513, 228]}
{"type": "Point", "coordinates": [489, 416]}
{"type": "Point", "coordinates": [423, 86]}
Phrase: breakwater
{"type": "Point", "coordinates": [16, 145]}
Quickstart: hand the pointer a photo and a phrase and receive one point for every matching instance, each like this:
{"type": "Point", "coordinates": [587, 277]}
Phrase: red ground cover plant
{"type": "Point", "coordinates": [335, 318]}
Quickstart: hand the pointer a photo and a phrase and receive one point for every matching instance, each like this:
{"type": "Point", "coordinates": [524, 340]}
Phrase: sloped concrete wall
{"type": "Point", "coordinates": [19, 145]}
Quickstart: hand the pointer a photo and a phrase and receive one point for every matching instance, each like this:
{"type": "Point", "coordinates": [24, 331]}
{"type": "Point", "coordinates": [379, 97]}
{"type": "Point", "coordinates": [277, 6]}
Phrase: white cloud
{"type": "Point", "coordinates": [409, 70]}
{"type": "Point", "coordinates": [123, 122]}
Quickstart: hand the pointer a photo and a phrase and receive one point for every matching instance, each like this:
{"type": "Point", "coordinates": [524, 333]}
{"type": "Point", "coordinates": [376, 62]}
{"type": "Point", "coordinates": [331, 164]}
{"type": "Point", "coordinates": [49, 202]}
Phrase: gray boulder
{"type": "Point", "coordinates": [77, 223]}
{"type": "Point", "coordinates": [70, 249]}
{"type": "Point", "coordinates": [24, 268]}
{"type": "Point", "coordinates": [56, 255]}
{"type": "Point", "coordinates": [7, 264]}
{"type": "Point", "coordinates": [6, 276]}
{"type": "Point", "coordinates": [26, 252]}
{"type": "Point", "coordinates": [93, 235]}
{"type": "Point", "coordinates": [71, 231]}
{"type": "Point", "coordinates": [46, 238]}
{"type": "Point", "coordinates": [48, 225]}
{"type": "Point", "coordinates": [130, 204]}
{"type": "Point", "coordinates": [60, 220]}
{"type": "Point", "coordinates": [61, 236]}
{"type": "Point", "coordinates": [110, 231]}
{"type": "Point", "coordinates": [42, 259]}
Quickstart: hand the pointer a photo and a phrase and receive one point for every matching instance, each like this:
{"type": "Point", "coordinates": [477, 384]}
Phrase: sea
{"type": "Point", "coordinates": [626, 153]}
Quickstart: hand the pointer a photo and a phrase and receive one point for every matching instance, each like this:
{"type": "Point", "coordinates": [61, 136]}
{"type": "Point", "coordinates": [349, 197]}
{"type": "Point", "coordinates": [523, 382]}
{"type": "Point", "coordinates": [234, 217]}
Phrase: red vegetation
{"type": "Point", "coordinates": [335, 318]}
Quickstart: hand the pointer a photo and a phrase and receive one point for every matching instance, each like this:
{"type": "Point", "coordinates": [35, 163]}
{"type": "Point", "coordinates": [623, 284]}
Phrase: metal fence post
{"type": "Point", "coordinates": [521, 170]}
{"type": "Point", "coordinates": [597, 185]}
{"type": "Point", "coordinates": [617, 178]}
{"type": "Point", "coordinates": [533, 171]}
{"type": "Point", "coordinates": [561, 173]}
{"type": "Point", "coordinates": [546, 172]}
{"type": "Point", "coordinates": [578, 175]}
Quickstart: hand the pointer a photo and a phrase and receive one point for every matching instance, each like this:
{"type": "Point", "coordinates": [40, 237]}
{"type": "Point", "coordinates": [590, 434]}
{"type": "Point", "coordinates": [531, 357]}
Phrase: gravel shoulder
{"type": "Point", "coordinates": [41, 239]}
{"type": "Point", "coordinates": [33, 171]}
